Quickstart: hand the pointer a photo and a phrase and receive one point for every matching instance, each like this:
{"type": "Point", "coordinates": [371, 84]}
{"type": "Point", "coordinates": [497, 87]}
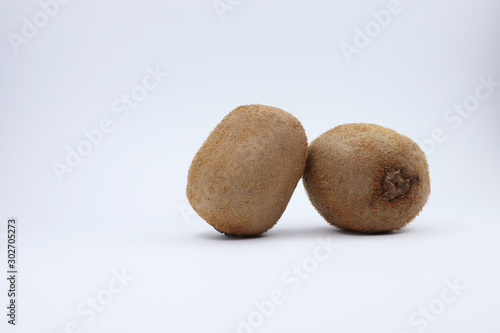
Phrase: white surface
{"type": "Point", "coordinates": [124, 207]}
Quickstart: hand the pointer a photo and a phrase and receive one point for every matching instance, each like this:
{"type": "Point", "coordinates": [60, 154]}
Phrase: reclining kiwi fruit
{"type": "Point", "coordinates": [242, 178]}
{"type": "Point", "coordinates": [366, 178]}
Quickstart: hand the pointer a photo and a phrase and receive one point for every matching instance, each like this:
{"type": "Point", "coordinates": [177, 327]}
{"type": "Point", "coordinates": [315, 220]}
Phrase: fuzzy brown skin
{"type": "Point", "coordinates": [243, 176]}
{"type": "Point", "coordinates": [366, 178]}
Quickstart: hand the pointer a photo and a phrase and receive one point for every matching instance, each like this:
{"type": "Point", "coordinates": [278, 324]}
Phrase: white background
{"type": "Point", "coordinates": [124, 206]}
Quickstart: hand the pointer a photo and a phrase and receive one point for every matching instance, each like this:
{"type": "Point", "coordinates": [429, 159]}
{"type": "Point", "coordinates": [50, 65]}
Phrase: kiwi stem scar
{"type": "Point", "coordinates": [395, 184]}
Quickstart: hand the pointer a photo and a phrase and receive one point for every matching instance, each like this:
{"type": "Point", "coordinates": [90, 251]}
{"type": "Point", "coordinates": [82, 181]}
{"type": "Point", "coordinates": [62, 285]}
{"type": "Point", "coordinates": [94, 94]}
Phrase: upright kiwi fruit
{"type": "Point", "coordinates": [366, 178]}
{"type": "Point", "coordinates": [243, 176]}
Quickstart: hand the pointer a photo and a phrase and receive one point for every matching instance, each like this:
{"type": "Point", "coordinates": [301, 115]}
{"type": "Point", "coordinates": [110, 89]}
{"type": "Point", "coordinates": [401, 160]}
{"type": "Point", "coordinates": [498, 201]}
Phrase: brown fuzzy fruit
{"type": "Point", "coordinates": [243, 176]}
{"type": "Point", "coordinates": [366, 178]}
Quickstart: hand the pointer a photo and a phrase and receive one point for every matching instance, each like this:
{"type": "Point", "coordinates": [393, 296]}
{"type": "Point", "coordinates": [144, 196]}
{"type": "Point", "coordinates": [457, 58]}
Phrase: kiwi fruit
{"type": "Point", "coordinates": [243, 176]}
{"type": "Point", "coordinates": [366, 178]}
